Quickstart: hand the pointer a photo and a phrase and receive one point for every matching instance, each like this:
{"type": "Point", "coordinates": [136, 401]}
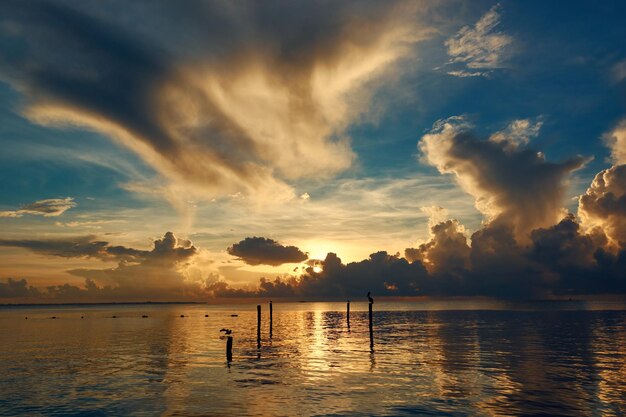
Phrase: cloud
{"type": "Point", "coordinates": [577, 262]}
{"type": "Point", "coordinates": [469, 74]}
{"type": "Point", "coordinates": [563, 245]}
{"type": "Point", "coordinates": [499, 267]}
{"type": "Point", "coordinates": [165, 251]}
{"type": "Point", "coordinates": [559, 260]}
{"type": "Point", "coordinates": [96, 224]}
{"type": "Point", "coordinates": [13, 288]}
{"type": "Point", "coordinates": [518, 133]}
{"type": "Point", "coordinates": [509, 183]}
{"type": "Point", "coordinates": [479, 49]}
{"type": "Point", "coordinates": [160, 273]}
{"type": "Point", "coordinates": [604, 204]}
{"type": "Point", "coordinates": [71, 247]}
{"type": "Point", "coordinates": [381, 273]}
{"type": "Point", "coordinates": [447, 249]}
{"type": "Point", "coordinates": [616, 141]}
{"type": "Point", "coordinates": [48, 208]}
{"type": "Point", "coordinates": [264, 251]}
{"type": "Point", "coordinates": [245, 97]}
{"type": "Point", "coordinates": [618, 71]}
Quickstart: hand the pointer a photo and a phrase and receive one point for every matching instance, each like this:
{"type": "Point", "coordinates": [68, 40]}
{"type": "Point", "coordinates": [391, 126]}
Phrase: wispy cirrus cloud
{"type": "Point", "coordinates": [95, 224]}
{"type": "Point", "coordinates": [51, 207]}
{"type": "Point", "coordinates": [248, 105]}
{"type": "Point", "coordinates": [475, 51]}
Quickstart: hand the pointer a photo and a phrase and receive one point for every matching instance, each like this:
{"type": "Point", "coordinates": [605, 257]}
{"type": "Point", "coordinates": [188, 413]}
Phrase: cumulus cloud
{"type": "Point", "coordinates": [447, 249]}
{"type": "Point", "coordinates": [603, 205]}
{"type": "Point", "coordinates": [381, 273]}
{"type": "Point", "coordinates": [14, 288]}
{"type": "Point", "coordinates": [158, 273]}
{"type": "Point", "coordinates": [264, 251]}
{"type": "Point", "coordinates": [168, 251]}
{"type": "Point", "coordinates": [243, 97]}
{"type": "Point", "coordinates": [51, 207]}
{"type": "Point", "coordinates": [559, 260]}
{"type": "Point", "coordinates": [563, 245]}
{"type": "Point", "coordinates": [480, 48]}
{"type": "Point", "coordinates": [510, 184]}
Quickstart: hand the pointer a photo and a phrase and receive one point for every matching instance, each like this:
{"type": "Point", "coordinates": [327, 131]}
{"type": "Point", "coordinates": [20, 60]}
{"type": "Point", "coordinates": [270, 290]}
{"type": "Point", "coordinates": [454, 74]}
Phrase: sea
{"type": "Point", "coordinates": [426, 358]}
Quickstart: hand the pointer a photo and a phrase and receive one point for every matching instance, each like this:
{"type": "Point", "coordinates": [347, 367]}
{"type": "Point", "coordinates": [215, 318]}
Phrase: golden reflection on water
{"type": "Point", "coordinates": [477, 362]}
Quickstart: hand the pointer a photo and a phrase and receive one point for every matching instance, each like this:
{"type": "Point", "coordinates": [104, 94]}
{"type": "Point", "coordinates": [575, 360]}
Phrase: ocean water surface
{"type": "Point", "coordinates": [452, 358]}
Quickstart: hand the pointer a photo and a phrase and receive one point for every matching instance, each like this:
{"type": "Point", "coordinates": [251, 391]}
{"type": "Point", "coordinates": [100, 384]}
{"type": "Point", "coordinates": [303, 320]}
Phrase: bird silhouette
{"type": "Point", "coordinates": [227, 331]}
{"type": "Point", "coordinates": [370, 298]}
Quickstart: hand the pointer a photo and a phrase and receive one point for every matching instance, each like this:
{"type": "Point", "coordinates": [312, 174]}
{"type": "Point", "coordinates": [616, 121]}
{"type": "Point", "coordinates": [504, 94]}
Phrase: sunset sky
{"type": "Point", "coordinates": [165, 150]}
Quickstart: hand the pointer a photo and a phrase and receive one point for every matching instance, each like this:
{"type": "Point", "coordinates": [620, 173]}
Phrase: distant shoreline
{"type": "Point", "coordinates": [101, 304]}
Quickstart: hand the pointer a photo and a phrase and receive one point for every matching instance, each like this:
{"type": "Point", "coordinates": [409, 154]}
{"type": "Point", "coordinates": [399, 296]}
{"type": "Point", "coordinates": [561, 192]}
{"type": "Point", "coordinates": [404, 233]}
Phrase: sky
{"type": "Point", "coordinates": [211, 150]}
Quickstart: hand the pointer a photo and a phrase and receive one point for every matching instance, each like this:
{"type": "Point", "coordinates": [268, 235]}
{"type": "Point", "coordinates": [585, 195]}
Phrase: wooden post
{"type": "Point", "coordinates": [348, 314]}
{"type": "Point", "coordinates": [371, 329]}
{"type": "Point", "coordinates": [258, 326]}
{"type": "Point", "coordinates": [271, 319]}
{"type": "Point", "coordinates": [229, 349]}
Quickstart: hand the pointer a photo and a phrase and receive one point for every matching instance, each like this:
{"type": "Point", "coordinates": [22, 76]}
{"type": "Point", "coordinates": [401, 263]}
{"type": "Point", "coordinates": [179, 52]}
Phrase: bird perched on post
{"type": "Point", "coordinates": [226, 331]}
{"type": "Point", "coordinates": [370, 298]}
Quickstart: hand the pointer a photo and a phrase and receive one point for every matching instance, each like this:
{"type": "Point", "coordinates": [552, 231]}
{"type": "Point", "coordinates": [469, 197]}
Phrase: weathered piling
{"type": "Point", "coordinates": [229, 349]}
{"type": "Point", "coordinates": [271, 319]}
{"type": "Point", "coordinates": [371, 328]}
{"type": "Point", "coordinates": [258, 326]}
{"type": "Point", "coordinates": [348, 313]}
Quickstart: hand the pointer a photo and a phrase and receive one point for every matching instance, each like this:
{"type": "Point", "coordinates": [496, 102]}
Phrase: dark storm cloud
{"type": "Point", "coordinates": [264, 251]}
{"type": "Point", "coordinates": [578, 262]}
{"type": "Point", "coordinates": [381, 273]}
